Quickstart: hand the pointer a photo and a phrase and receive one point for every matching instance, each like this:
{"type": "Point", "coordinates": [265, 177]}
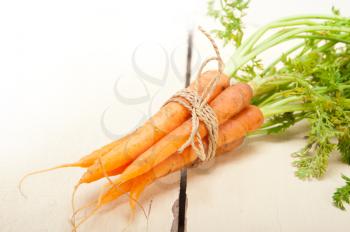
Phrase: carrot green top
{"type": "Point", "coordinates": [309, 80]}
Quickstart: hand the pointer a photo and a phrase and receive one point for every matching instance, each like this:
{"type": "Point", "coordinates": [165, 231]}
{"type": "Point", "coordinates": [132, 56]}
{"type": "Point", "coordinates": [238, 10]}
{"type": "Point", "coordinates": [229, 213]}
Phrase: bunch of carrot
{"type": "Point", "coordinates": [151, 151]}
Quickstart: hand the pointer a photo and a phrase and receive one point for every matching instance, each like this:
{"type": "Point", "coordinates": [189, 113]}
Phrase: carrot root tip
{"type": "Point", "coordinates": [73, 204]}
{"type": "Point", "coordinates": [42, 171]}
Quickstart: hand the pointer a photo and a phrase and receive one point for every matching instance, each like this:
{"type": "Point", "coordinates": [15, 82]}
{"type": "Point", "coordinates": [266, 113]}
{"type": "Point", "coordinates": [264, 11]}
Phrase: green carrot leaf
{"type": "Point", "coordinates": [342, 194]}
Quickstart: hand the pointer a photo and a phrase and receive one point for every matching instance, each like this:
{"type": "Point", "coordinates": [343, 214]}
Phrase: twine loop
{"type": "Point", "coordinates": [200, 110]}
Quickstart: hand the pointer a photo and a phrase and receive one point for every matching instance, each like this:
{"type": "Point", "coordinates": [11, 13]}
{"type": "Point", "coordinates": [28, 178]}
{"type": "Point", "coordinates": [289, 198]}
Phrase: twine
{"type": "Point", "coordinates": [200, 110]}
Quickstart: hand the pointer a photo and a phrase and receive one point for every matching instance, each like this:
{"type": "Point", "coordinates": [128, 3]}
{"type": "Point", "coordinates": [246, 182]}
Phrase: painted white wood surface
{"type": "Point", "coordinates": [60, 61]}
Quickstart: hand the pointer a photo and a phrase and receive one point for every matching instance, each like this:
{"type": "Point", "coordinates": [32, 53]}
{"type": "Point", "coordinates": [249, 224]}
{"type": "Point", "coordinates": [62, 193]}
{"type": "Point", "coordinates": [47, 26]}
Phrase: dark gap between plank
{"type": "Point", "coordinates": [183, 175]}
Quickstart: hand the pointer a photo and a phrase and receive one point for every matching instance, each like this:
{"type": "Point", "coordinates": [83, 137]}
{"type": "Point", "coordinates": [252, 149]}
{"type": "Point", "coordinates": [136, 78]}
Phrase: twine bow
{"type": "Point", "coordinates": [200, 110]}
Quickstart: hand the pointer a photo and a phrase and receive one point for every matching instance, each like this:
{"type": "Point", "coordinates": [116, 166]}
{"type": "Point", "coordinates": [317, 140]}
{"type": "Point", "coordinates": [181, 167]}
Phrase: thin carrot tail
{"type": "Point", "coordinates": [133, 202]}
{"type": "Point", "coordinates": [134, 196]}
{"type": "Point", "coordinates": [86, 206]}
{"type": "Point", "coordinates": [92, 212]}
{"type": "Point", "coordinates": [103, 192]}
{"type": "Point", "coordinates": [98, 205]}
{"type": "Point", "coordinates": [42, 171]}
{"type": "Point", "coordinates": [73, 204]}
{"type": "Point", "coordinates": [135, 193]}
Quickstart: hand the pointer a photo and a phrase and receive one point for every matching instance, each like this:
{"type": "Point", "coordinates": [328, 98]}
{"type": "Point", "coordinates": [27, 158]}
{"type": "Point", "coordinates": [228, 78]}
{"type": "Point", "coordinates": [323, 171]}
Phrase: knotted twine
{"type": "Point", "coordinates": [200, 110]}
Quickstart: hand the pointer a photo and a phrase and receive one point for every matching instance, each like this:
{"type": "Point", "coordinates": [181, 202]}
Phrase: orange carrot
{"type": "Point", "coordinates": [141, 182]}
{"type": "Point", "coordinates": [231, 101]}
{"type": "Point", "coordinates": [171, 164]}
{"type": "Point", "coordinates": [111, 195]}
{"type": "Point", "coordinates": [247, 120]}
{"type": "Point", "coordinates": [231, 135]}
{"type": "Point", "coordinates": [169, 117]}
{"type": "Point", "coordinates": [97, 204]}
{"type": "Point", "coordinates": [88, 160]}
{"type": "Point", "coordinates": [118, 170]}
{"type": "Point", "coordinates": [84, 162]}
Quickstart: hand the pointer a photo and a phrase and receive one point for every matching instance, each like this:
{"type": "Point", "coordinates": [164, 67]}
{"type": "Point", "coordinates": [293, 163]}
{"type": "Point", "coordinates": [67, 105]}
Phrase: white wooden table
{"type": "Point", "coordinates": [62, 63]}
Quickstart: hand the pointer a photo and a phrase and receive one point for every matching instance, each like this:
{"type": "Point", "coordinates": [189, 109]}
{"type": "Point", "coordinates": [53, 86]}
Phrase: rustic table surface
{"type": "Point", "coordinates": [76, 74]}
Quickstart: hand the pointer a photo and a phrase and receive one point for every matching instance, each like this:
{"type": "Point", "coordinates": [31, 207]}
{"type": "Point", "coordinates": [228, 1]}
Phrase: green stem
{"type": "Point", "coordinates": [323, 38]}
{"type": "Point", "coordinates": [271, 111]}
{"type": "Point", "coordinates": [246, 47]}
{"type": "Point", "coordinates": [281, 23]}
{"type": "Point", "coordinates": [289, 35]}
{"type": "Point", "coordinates": [276, 61]}
{"type": "Point", "coordinates": [261, 85]}
{"type": "Point", "coordinates": [237, 61]}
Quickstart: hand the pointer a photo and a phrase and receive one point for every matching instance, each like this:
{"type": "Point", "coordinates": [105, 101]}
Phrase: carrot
{"type": "Point", "coordinates": [169, 117]}
{"type": "Point", "coordinates": [171, 164]}
{"type": "Point", "coordinates": [231, 101]}
{"type": "Point", "coordinates": [248, 120]}
{"type": "Point", "coordinates": [231, 135]}
{"type": "Point", "coordinates": [116, 194]}
{"type": "Point", "coordinates": [112, 195]}
{"type": "Point", "coordinates": [135, 192]}
{"type": "Point", "coordinates": [140, 182]}
{"type": "Point", "coordinates": [137, 186]}
{"type": "Point", "coordinates": [84, 162]}
{"type": "Point", "coordinates": [118, 170]}
{"type": "Point", "coordinates": [88, 160]}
